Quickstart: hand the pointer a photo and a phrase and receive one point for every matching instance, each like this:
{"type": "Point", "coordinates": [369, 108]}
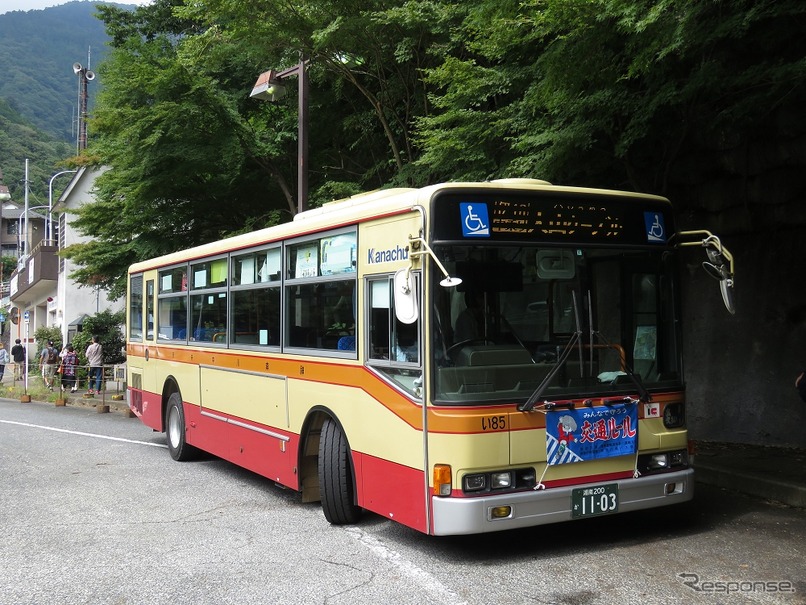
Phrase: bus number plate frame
{"type": "Point", "coordinates": [594, 500]}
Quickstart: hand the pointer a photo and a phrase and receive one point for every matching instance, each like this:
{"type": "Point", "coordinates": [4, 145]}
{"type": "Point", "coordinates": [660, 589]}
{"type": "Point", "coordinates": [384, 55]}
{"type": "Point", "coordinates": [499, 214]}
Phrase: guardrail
{"type": "Point", "coordinates": [113, 380]}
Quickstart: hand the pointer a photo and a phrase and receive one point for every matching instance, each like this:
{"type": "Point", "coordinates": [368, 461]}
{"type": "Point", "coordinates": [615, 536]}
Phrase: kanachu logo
{"type": "Point", "coordinates": [388, 255]}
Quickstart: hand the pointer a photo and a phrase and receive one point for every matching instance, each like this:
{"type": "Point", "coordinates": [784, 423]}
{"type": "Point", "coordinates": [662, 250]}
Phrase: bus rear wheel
{"type": "Point", "coordinates": [336, 476]}
{"type": "Point", "coordinates": [175, 430]}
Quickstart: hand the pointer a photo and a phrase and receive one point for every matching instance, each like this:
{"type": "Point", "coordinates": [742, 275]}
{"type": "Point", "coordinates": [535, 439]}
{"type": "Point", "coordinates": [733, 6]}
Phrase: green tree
{"type": "Point", "coordinates": [194, 159]}
{"type": "Point", "coordinates": [42, 336]}
{"type": "Point", "coordinates": [635, 94]}
{"type": "Point", "coordinates": [9, 265]}
{"type": "Point", "coordinates": [20, 141]}
{"type": "Point", "coordinates": [107, 327]}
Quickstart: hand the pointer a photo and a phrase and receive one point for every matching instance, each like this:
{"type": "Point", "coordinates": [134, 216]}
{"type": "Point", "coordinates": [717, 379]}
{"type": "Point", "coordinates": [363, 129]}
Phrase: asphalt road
{"type": "Point", "coordinates": [93, 510]}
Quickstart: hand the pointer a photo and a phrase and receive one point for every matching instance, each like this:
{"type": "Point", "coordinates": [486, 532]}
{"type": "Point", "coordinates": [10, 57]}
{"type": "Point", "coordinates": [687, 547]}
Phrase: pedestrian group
{"type": "Point", "coordinates": [52, 362]}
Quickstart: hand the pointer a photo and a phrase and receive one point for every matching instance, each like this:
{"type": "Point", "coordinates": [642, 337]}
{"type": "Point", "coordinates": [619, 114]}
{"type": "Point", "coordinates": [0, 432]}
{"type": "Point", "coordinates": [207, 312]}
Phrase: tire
{"type": "Point", "coordinates": [175, 430]}
{"type": "Point", "coordinates": [336, 476]}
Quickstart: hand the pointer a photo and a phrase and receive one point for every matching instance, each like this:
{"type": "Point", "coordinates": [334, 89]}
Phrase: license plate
{"type": "Point", "coordinates": [595, 500]}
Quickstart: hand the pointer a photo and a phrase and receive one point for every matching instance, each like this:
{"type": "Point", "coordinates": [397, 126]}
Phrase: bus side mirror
{"type": "Point", "coordinates": [405, 296]}
{"type": "Point", "coordinates": [406, 309]}
{"type": "Point", "coordinates": [717, 267]}
{"type": "Point", "coordinates": [719, 264]}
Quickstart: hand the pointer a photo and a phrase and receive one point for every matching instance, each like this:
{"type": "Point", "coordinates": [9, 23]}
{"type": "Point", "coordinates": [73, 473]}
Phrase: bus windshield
{"type": "Point", "coordinates": [602, 320]}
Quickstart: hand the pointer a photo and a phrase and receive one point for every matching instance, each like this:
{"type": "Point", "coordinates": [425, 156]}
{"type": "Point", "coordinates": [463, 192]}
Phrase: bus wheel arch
{"type": "Point", "coordinates": [328, 465]}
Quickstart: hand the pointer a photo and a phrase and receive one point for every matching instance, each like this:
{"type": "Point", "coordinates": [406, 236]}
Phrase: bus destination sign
{"type": "Point", "coordinates": [557, 217]}
{"type": "Point", "coordinates": [577, 220]}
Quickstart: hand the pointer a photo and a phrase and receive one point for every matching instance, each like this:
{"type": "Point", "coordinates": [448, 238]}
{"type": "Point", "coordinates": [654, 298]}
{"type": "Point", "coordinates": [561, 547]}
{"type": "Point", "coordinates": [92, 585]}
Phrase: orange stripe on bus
{"type": "Point", "coordinates": [352, 374]}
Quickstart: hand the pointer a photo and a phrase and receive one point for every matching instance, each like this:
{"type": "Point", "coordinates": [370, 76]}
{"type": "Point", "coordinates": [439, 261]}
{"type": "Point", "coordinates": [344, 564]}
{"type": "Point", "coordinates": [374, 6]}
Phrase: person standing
{"type": "Point", "coordinates": [18, 355]}
{"type": "Point", "coordinates": [49, 360]}
{"type": "Point", "coordinates": [95, 358]}
{"type": "Point", "coordinates": [3, 360]}
{"type": "Point", "coordinates": [69, 366]}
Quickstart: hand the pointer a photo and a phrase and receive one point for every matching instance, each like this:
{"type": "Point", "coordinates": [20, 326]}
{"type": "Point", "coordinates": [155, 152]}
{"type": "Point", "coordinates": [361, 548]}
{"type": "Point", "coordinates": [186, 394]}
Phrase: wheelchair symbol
{"type": "Point", "coordinates": [475, 222]}
{"type": "Point", "coordinates": [655, 231]}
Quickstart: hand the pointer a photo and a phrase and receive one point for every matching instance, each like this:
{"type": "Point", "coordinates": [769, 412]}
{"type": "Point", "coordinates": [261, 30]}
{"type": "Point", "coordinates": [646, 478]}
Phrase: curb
{"type": "Point", "coordinates": [101, 406]}
{"type": "Point", "coordinates": [753, 484]}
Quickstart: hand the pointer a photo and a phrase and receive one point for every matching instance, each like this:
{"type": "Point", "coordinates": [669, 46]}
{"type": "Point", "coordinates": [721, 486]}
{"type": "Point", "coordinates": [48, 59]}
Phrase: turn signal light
{"type": "Point", "coordinates": [442, 480]}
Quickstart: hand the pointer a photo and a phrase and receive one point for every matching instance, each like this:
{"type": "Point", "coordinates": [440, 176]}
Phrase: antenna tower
{"type": "Point", "coordinates": [84, 76]}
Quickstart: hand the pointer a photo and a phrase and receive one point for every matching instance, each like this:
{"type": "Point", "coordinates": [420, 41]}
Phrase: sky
{"type": "Point", "coordinates": [27, 5]}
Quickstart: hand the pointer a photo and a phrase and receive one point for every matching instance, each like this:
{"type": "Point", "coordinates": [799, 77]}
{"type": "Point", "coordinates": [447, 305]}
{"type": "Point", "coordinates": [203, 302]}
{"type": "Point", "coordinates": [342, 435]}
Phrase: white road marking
{"type": "Point", "coordinates": [50, 428]}
{"type": "Point", "coordinates": [440, 592]}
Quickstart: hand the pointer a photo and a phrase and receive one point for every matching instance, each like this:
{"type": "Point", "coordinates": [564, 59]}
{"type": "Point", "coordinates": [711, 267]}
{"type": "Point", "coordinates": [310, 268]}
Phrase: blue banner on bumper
{"type": "Point", "coordinates": [591, 433]}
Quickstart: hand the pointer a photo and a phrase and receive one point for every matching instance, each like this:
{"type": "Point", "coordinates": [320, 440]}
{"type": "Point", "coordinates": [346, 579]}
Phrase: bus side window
{"type": "Point", "coordinates": [380, 308]}
{"type": "Point", "coordinates": [390, 339]}
{"type": "Point", "coordinates": [150, 309]}
{"type": "Point", "coordinates": [407, 341]}
{"type": "Point", "coordinates": [136, 308]}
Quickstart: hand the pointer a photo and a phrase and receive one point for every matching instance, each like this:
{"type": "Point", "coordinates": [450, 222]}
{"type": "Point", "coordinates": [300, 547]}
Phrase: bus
{"type": "Point", "coordinates": [459, 358]}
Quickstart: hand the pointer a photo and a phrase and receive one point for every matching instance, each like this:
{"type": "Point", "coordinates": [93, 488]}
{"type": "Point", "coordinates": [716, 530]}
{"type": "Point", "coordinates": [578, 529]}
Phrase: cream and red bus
{"type": "Point", "coordinates": [461, 358]}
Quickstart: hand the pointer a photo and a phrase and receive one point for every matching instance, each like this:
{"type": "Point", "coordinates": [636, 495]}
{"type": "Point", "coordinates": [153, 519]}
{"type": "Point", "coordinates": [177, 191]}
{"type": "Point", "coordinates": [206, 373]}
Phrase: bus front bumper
{"type": "Point", "coordinates": [452, 516]}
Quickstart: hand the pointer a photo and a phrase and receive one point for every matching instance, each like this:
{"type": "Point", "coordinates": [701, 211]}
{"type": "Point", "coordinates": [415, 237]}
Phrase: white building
{"type": "Point", "coordinates": [41, 285]}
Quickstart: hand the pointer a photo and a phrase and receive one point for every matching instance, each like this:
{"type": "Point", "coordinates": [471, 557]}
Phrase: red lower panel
{"type": "Point", "coordinates": [148, 407]}
{"type": "Point", "coordinates": [266, 455]}
{"type": "Point", "coordinates": [392, 490]}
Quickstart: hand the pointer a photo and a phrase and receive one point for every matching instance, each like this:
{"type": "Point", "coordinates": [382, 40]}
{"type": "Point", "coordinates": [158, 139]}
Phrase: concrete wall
{"type": "Point", "coordinates": [741, 368]}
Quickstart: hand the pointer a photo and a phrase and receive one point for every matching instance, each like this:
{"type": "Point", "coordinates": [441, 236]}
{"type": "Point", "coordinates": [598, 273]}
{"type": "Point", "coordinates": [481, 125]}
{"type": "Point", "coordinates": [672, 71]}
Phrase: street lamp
{"type": "Point", "coordinates": [269, 87]}
{"type": "Point", "coordinates": [5, 196]}
{"type": "Point", "coordinates": [24, 226]}
{"type": "Point", "coordinates": [50, 201]}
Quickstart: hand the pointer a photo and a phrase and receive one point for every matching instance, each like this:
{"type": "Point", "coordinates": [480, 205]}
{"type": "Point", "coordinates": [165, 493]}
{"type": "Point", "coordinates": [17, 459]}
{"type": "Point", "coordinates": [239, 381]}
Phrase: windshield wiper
{"type": "Point", "coordinates": [529, 404]}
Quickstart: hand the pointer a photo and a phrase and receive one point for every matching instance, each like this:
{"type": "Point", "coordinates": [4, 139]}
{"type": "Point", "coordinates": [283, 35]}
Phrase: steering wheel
{"type": "Point", "coordinates": [464, 343]}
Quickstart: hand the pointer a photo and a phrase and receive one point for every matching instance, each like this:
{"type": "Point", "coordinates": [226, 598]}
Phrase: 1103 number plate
{"type": "Point", "coordinates": [596, 500]}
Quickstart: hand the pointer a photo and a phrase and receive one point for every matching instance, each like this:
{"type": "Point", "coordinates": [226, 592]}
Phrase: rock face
{"type": "Point", "coordinates": [740, 369]}
{"type": "Point", "coordinates": [749, 188]}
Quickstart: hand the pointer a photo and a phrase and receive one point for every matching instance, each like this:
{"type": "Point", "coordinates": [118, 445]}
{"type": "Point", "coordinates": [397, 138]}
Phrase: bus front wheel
{"type": "Point", "coordinates": [175, 430]}
{"type": "Point", "coordinates": [336, 476]}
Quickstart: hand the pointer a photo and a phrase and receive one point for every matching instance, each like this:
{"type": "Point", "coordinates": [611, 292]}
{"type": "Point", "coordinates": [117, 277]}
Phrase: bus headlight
{"type": "Point", "coordinates": [678, 458]}
{"type": "Point", "coordinates": [500, 480]}
{"type": "Point", "coordinates": [474, 483]}
{"type": "Point", "coordinates": [522, 478]}
{"type": "Point", "coordinates": [664, 461]}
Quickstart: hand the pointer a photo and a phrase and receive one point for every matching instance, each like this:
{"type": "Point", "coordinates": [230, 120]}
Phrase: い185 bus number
{"type": "Point", "coordinates": [596, 500]}
{"type": "Point", "coordinates": [493, 423]}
